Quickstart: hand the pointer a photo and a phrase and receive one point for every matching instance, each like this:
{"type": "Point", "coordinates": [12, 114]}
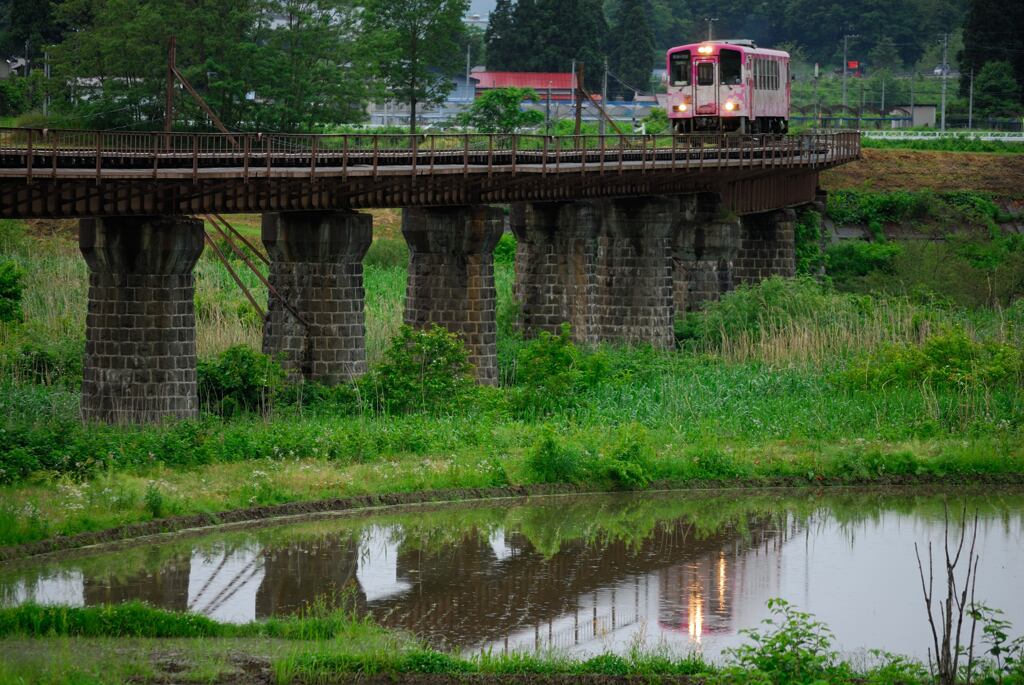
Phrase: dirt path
{"type": "Point", "coordinates": [1000, 174]}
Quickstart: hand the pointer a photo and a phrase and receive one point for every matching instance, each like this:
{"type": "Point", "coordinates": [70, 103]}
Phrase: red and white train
{"type": "Point", "coordinates": [728, 86]}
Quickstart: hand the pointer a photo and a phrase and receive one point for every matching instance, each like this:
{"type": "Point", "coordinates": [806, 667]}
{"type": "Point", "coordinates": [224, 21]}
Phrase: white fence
{"type": "Point", "coordinates": [1005, 136]}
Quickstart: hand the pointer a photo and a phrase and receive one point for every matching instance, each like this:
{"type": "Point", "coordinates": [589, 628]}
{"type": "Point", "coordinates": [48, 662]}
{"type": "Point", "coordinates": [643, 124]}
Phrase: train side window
{"type": "Point", "coordinates": [681, 68]}
{"type": "Point", "coordinates": [705, 73]}
{"type": "Point", "coordinates": [775, 75]}
{"type": "Point", "coordinates": [730, 64]}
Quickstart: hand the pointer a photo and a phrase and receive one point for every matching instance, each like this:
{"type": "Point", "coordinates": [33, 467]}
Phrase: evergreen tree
{"type": "Point", "coordinates": [996, 91]}
{"type": "Point", "coordinates": [501, 37]}
{"type": "Point", "coordinates": [632, 48]}
{"type": "Point", "coordinates": [993, 32]}
{"type": "Point", "coordinates": [548, 35]}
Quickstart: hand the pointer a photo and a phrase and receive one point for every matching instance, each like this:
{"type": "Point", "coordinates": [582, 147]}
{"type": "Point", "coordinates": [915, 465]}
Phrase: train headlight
{"type": "Point", "coordinates": [730, 106]}
{"type": "Point", "coordinates": [704, 49]}
{"type": "Point", "coordinates": [681, 107]}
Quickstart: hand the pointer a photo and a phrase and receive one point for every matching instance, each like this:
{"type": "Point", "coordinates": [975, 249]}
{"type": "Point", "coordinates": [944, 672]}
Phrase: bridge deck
{"type": "Point", "coordinates": [137, 172]}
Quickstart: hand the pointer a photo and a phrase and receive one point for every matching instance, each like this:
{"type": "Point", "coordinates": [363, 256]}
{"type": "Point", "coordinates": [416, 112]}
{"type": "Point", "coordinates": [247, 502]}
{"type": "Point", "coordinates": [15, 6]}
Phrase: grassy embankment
{"type": "Point", "coordinates": [136, 643]}
{"type": "Point", "coordinates": [787, 381]}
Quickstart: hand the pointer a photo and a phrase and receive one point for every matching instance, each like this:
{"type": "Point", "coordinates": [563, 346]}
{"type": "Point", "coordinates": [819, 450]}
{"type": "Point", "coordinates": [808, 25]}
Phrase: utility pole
{"type": "Point", "coordinates": [579, 100]}
{"type": "Point", "coordinates": [46, 73]}
{"type": "Point", "coordinates": [547, 111]}
{"type": "Point", "coordinates": [846, 45]}
{"type": "Point", "coordinates": [945, 68]}
{"type": "Point", "coordinates": [860, 109]}
{"type": "Point", "coordinates": [882, 107]}
{"type": "Point", "coordinates": [970, 102]}
{"type": "Point", "coordinates": [169, 95]}
{"type": "Point", "coordinates": [709, 20]}
{"type": "Point", "coordinates": [472, 93]}
{"type": "Point", "coordinates": [604, 97]}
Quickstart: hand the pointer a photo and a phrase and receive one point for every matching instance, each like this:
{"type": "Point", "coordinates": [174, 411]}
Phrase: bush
{"type": "Point", "coordinates": [11, 289]}
{"type": "Point", "coordinates": [630, 464]}
{"type": "Point", "coordinates": [853, 259]}
{"type": "Point", "coordinates": [422, 370]}
{"type": "Point", "coordinates": [947, 359]}
{"type": "Point", "coordinates": [239, 380]}
{"type": "Point", "coordinates": [47, 363]}
{"type": "Point", "coordinates": [796, 649]}
{"type": "Point", "coordinates": [551, 460]}
{"type": "Point", "coordinates": [773, 302]}
{"type": "Point", "coordinates": [552, 373]}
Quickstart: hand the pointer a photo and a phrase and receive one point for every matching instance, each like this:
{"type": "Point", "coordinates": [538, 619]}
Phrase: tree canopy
{"type": "Point", "coordinates": [500, 111]}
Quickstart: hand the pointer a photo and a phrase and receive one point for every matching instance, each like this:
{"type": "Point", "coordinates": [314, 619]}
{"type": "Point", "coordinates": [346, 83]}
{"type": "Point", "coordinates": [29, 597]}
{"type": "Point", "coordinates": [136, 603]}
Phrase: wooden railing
{"type": "Point", "coordinates": [43, 152]}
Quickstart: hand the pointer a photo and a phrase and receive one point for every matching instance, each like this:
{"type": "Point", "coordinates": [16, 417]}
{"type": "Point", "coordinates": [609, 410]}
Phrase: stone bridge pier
{"type": "Point", "coordinates": [315, 316]}
{"type": "Point", "coordinates": [451, 277]}
{"type": "Point", "coordinates": [140, 336]}
{"type": "Point", "coordinates": [603, 266]}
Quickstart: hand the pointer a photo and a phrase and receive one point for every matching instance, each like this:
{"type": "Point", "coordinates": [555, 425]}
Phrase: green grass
{"type": "Point", "coordinates": [756, 392]}
{"type": "Point", "coordinates": [951, 144]}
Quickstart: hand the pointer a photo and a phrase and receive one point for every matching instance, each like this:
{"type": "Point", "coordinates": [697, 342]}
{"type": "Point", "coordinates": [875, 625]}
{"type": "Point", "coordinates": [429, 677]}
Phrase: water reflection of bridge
{"type": "Point", "coordinates": [483, 590]}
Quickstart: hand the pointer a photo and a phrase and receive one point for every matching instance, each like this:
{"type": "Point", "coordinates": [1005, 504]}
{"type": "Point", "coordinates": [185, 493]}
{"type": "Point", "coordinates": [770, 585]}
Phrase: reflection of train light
{"type": "Point", "coordinates": [696, 615]}
{"type": "Point", "coordinates": [721, 582]}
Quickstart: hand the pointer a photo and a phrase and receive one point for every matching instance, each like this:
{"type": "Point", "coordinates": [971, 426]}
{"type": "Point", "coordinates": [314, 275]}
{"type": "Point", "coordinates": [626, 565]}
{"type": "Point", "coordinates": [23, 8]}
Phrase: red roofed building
{"type": "Point", "coordinates": [561, 85]}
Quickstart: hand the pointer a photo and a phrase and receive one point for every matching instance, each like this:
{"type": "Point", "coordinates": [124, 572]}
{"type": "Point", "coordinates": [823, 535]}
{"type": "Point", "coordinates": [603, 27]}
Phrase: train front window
{"type": "Point", "coordinates": [705, 73]}
{"type": "Point", "coordinates": [681, 68]}
{"type": "Point", "coordinates": [731, 67]}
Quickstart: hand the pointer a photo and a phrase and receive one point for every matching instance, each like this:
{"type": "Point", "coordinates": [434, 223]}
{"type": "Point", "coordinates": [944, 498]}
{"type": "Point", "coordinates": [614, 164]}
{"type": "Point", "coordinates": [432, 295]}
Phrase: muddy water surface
{"type": "Point", "coordinates": [682, 571]}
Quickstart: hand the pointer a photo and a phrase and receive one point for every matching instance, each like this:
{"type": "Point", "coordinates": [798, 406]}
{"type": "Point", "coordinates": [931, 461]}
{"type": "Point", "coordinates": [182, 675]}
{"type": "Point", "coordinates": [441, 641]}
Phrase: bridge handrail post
{"type": "Point", "coordinates": [544, 159]}
{"type": "Point", "coordinates": [674, 147]}
{"type": "Point", "coordinates": [604, 148]}
{"type": "Point", "coordinates": [99, 155]}
{"type": "Point", "coordinates": [314, 148]}
{"type": "Point", "coordinates": [376, 155]}
{"type": "Point", "coordinates": [195, 157]}
{"type": "Point", "coordinates": [515, 141]}
{"type": "Point", "coordinates": [268, 149]}
{"type": "Point", "coordinates": [465, 154]}
{"type": "Point", "coordinates": [622, 152]}
{"type": "Point", "coordinates": [433, 145]}
{"type": "Point", "coordinates": [28, 157]}
{"type": "Point", "coordinates": [56, 136]}
{"type": "Point", "coordinates": [344, 157]}
{"type": "Point", "coordinates": [246, 153]}
{"type": "Point", "coordinates": [490, 154]}
{"type": "Point", "coordinates": [415, 147]}
{"type": "Point", "coordinates": [156, 155]}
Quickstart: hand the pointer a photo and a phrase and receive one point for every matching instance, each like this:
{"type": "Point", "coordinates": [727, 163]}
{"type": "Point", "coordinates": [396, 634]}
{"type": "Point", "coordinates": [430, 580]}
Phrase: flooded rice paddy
{"type": "Point", "coordinates": [675, 571]}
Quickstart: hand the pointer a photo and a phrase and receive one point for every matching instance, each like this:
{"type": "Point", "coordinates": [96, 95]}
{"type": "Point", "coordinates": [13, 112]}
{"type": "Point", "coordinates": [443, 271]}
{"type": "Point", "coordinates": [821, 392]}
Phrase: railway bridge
{"type": "Point", "coordinates": [615, 234]}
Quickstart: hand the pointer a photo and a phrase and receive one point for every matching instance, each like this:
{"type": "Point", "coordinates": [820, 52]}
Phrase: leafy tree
{"type": "Point", "coordinates": [277, 64]}
{"type": "Point", "coordinates": [414, 44]}
{"type": "Point", "coordinates": [632, 48]}
{"type": "Point", "coordinates": [498, 111]}
{"type": "Point", "coordinates": [311, 67]}
{"type": "Point", "coordinates": [996, 91]}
